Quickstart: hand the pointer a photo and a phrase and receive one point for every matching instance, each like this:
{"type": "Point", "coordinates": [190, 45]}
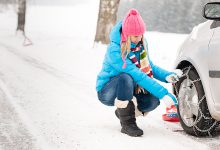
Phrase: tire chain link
{"type": "Point", "coordinates": [216, 123]}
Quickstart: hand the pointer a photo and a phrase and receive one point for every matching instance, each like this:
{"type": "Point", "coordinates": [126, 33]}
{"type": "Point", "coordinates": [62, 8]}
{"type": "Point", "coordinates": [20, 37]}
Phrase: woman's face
{"type": "Point", "coordinates": [136, 39]}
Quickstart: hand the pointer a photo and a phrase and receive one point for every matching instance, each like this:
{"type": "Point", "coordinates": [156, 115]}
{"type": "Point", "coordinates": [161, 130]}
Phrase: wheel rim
{"type": "Point", "coordinates": [188, 102]}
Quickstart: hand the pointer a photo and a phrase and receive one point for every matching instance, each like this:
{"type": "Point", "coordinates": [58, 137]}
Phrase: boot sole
{"type": "Point", "coordinates": [133, 135]}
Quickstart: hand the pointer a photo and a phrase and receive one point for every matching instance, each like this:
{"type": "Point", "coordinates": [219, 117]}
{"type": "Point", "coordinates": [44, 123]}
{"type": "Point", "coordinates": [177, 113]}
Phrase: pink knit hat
{"type": "Point", "coordinates": [132, 24]}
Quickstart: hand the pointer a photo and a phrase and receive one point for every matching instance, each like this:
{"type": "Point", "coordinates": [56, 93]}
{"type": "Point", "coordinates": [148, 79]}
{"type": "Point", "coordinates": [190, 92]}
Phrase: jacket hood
{"type": "Point", "coordinates": [115, 35]}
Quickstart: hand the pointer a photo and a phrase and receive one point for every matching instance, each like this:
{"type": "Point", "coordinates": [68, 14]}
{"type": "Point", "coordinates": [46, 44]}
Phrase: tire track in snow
{"type": "Point", "coordinates": [68, 78]}
{"type": "Point", "coordinates": [16, 131]}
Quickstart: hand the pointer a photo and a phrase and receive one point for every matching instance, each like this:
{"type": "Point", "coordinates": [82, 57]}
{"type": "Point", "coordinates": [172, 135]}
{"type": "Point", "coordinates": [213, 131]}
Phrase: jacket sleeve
{"type": "Point", "coordinates": [114, 59]}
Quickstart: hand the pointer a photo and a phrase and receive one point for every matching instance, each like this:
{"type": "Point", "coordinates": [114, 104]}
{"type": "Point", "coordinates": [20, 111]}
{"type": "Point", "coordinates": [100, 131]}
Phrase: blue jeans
{"type": "Point", "coordinates": [122, 87]}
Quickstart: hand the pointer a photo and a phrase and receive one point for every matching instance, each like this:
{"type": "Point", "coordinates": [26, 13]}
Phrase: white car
{"type": "Point", "coordinates": [198, 90]}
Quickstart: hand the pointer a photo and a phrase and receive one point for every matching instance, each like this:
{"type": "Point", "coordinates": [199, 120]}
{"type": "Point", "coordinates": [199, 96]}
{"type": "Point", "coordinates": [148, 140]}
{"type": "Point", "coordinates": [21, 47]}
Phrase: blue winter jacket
{"type": "Point", "coordinates": [112, 66]}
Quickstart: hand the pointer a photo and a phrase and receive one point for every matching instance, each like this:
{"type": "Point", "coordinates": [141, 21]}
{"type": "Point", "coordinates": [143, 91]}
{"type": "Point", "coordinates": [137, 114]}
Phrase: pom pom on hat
{"type": "Point", "coordinates": [133, 12]}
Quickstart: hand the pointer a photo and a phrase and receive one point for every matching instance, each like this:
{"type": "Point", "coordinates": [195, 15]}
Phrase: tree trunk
{"type": "Point", "coordinates": [21, 15]}
{"type": "Point", "coordinates": [106, 19]}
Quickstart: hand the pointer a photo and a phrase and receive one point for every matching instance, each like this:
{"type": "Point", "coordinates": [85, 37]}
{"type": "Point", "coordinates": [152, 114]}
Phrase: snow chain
{"type": "Point", "coordinates": [216, 123]}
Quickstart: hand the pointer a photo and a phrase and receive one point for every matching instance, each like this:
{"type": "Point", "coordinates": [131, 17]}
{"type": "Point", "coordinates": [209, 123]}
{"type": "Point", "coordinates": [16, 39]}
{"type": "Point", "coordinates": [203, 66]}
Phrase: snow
{"type": "Point", "coordinates": [48, 89]}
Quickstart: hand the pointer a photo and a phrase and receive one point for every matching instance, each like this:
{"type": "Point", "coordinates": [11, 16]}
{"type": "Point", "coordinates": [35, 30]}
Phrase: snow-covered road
{"type": "Point", "coordinates": [61, 116]}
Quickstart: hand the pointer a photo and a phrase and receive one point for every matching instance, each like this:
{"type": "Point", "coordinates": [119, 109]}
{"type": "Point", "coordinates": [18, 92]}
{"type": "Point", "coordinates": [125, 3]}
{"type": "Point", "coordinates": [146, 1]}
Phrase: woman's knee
{"type": "Point", "coordinates": [126, 80]}
{"type": "Point", "coordinates": [105, 99]}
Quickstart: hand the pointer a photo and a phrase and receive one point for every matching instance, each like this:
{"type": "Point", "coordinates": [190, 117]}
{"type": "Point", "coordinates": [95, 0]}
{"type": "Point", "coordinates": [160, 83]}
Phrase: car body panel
{"type": "Point", "coordinates": [214, 65]}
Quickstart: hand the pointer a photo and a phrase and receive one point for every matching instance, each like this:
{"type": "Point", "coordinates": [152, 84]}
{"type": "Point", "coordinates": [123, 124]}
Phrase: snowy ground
{"type": "Point", "coordinates": [47, 90]}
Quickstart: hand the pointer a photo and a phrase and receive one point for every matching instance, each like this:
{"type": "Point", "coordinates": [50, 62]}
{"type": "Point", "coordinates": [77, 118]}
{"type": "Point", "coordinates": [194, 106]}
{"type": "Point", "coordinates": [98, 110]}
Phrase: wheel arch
{"type": "Point", "coordinates": [183, 64]}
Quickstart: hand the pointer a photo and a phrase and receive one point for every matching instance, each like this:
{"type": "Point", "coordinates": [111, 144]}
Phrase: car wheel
{"type": "Point", "coordinates": [193, 111]}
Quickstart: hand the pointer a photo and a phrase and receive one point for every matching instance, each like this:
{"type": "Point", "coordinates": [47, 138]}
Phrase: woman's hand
{"type": "Point", "coordinates": [170, 100]}
{"type": "Point", "coordinates": [174, 77]}
{"type": "Point", "coordinates": [140, 89]}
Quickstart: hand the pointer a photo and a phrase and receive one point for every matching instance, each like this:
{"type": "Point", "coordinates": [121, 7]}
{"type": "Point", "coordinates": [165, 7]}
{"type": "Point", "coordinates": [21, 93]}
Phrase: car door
{"type": "Point", "coordinates": [214, 62]}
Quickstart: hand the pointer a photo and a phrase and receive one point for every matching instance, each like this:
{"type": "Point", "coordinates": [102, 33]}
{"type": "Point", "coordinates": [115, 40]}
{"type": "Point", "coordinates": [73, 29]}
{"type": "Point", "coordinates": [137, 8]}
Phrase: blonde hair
{"type": "Point", "coordinates": [126, 46]}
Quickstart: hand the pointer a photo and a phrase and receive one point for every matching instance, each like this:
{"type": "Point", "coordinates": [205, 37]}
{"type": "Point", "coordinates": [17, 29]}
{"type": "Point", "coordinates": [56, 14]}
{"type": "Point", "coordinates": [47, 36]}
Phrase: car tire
{"type": "Point", "coordinates": [201, 124]}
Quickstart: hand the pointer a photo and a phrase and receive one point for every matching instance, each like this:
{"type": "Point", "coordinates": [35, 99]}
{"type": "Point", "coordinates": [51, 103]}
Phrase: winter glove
{"type": "Point", "coordinates": [174, 77]}
{"type": "Point", "coordinates": [170, 100]}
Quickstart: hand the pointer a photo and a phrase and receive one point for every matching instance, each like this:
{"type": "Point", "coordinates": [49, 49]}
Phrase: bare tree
{"type": "Point", "coordinates": [21, 15]}
{"type": "Point", "coordinates": [21, 21]}
{"type": "Point", "coordinates": [106, 19]}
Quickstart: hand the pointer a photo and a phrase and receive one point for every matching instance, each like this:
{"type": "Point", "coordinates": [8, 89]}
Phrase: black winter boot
{"type": "Point", "coordinates": [128, 120]}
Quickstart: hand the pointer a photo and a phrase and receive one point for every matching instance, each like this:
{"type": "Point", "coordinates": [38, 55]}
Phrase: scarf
{"type": "Point", "coordinates": [144, 64]}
